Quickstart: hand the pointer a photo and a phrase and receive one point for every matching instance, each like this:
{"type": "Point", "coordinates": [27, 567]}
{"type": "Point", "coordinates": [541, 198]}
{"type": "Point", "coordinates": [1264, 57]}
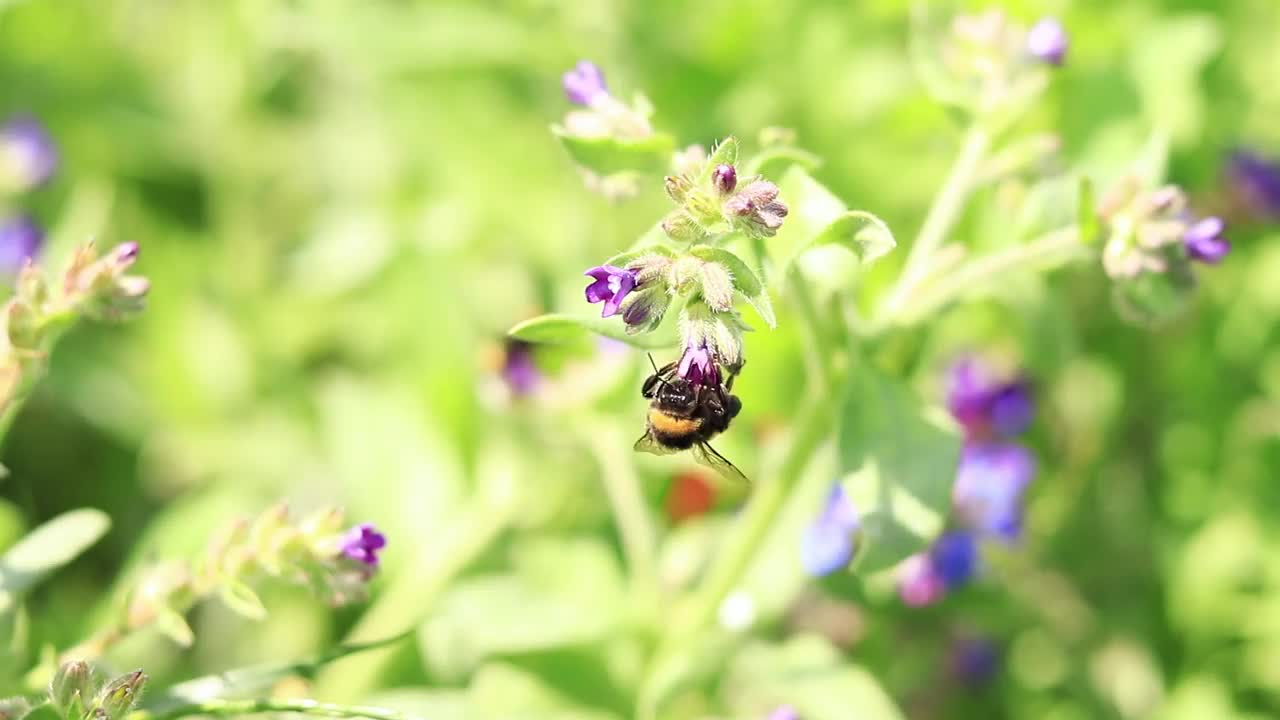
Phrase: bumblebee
{"type": "Point", "coordinates": [685, 415]}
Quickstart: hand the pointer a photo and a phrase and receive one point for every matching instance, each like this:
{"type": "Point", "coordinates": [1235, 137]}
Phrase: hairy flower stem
{"type": "Point", "coordinates": [634, 523]}
{"type": "Point", "coordinates": [942, 217]}
{"type": "Point", "coordinates": [273, 705]}
{"type": "Point", "coordinates": [1052, 248]}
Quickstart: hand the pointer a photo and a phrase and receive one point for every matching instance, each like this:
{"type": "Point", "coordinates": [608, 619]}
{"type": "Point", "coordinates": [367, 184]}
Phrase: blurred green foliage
{"type": "Point", "coordinates": [343, 206]}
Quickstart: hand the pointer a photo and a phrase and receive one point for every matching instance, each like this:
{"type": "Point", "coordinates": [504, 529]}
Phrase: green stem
{"type": "Point", "coordinates": [822, 352]}
{"type": "Point", "coordinates": [1054, 247]}
{"type": "Point", "coordinates": [942, 216]}
{"type": "Point", "coordinates": [629, 508]}
{"type": "Point", "coordinates": [272, 705]}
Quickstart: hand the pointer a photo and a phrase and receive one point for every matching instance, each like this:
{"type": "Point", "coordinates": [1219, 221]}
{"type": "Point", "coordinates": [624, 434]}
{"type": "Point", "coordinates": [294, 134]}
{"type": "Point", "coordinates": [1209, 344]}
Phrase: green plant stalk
{"type": "Point", "coordinates": [1058, 245]}
{"type": "Point", "coordinates": [53, 325]}
{"type": "Point", "coordinates": [315, 708]}
{"type": "Point", "coordinates": [635, 526]}
{"type": "Point", "coordinates": [942, 216]}
{"type": "Point", "coordinates": [823, 352]}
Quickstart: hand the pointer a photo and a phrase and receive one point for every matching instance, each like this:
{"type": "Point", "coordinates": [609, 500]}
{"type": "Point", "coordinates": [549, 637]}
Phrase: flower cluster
{"type": "Point", "coordinates": [318, 552]}
{"type": "Point", "coordinates": [600, 116]}
{"type": "Point", "coordinates": [1151, 240]}
{"type": "Point", "coordinates": [713, 205]}
{"type": "Point", "coordinates": [992, 477]}
{"type": "Point", "coordinates": [997, 62]}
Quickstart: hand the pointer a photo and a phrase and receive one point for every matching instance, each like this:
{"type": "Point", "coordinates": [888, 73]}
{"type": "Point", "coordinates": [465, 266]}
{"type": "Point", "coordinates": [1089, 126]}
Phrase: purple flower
{"type": "Point", "coordinates": [20, 240]}
{"type": "Point", "coordinates": [27, 155]}
{"type": "Point", "coordinates": [362, 543]}
{"type": "Point", "coordinates": [982, 405]}
{"type": "Point", "coordinates": [584, 83]}
{"type": "Point", "coordinates": [828, 544]}
{"type": "Point", "coordinates": [1047, 41]}
{"type": "Point", "coordinates": [518, 368]}
{"type": "Point", "coordinates": [1204, 241]}
{"type": "Point", "coordinates": [784, 712]}
{"type": "Point", "coordinates": [973, 660]}
{"type": "Point", "coordinates": [954, 558]}
{"type": "Point", "coordinates": [758, 205]}
{"type": "Point", "coordinates": [725, 178]}
{"type": "Point", "coordinates": [989, 486]}
{"type": "Point", "coordinates": [918, 581]}
{"type": "Point", "coordinates": [610, 287]}
{"type": "Point", "coordinates": [698, 366]}
{"type": "Point", "coordinates": [1255, 181]}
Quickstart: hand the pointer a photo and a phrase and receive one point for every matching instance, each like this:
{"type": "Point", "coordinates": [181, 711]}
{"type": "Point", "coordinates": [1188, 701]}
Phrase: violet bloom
{"type": "Point", "coordinates": [918, 581]}
{"type": "Point", "coordinates": [758, 205]}
{"type": "Point", "coordinates": [1047, 41]}
{"type": "Point", "coordinates": [973, 661]}
{"type": "Point", "coordinates": [828, 544]}
{"type": "Point", "coordinates": [784, 712]}
{"type": "Point", "coordinates": [954, 558]}
{"type": "Point", "coordinates": [584, 83]}
{"type": "Point", "coordinates": [20, 240]}
{"type": "Point", "coordinates": [518, 368]}
{"type": "Point", "coordinates": [610, 287]}
{"type": "Point", "coordinates": [1204, 241]}
{"type": "Point", "coordinates": [982, 405]}
{"type": "Point", "coordinates": [698, 366]}
{"type": "Point", "coordinates": [989, 488]}
{"type": "Point", "coordinates": [27, 154]}
{"type": "Point", "coordinates": [362, 543]}
{"type": "Point", "coordinates": [725, 178]}
{"type": "Point", "coordinates": [1255, 181]}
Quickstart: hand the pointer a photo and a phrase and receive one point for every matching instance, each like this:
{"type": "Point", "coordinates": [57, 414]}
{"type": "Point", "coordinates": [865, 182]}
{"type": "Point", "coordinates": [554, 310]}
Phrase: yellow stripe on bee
{"type": "Point", "coordinates": [671, 425]}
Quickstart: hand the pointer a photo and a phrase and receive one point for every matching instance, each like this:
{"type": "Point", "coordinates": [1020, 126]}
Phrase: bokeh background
{"type": "Point", "coordinates": [343, 206]}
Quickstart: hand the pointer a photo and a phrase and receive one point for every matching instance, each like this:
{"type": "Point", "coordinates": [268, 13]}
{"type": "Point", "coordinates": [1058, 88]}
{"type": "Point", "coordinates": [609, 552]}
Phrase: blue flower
{"type": "Point", "coordinates": [829, 543]}
{"type": "Point", "coordinates": [20, 240]}
{"type": "Point", "coordinates": [989, 487]}
{"type": "Point", "coordinates": [983, 405]}
{"type": "Point", "coordinates": [1255, 181]}
{"type": "Point", "coordinates": [584, 83]}
{"type": "Point", "coordinates": [1204, 241]}
{"type": "Point", "coordinates": [27, 154]}
{"type": "Point", "coordinates": [364, 542]}
{"type": "Point", "coordinates": [1047, 41]}
{"type": "Point", "coordinates": [954, 558]}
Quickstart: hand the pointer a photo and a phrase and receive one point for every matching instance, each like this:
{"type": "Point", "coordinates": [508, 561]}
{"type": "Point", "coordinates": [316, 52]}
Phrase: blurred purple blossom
{"type": "Point", "coordinates": [982, 404]}
{"type": "Point", "coordinates": [1204, 241]}
{"type": "Point", "coordinates": [611, 285]}
{"type": "Point", "coordinates": [518, 368]}
{"type": "Point", "coordinates": [972, 660]}
{"type": "Point", "coordinates": [989, 487]}
{"type": "Point", "coordinates": [829, 543]}
{"type": "Point", "coordinates": [1254, 180]}
{"type": "Point", "coordinates": [20, 240]}
{"type": "Point", "coordinates": [698, 366]}
{"type": "Point", "coordinates": [918, 582]}
{"type": "Point", "coordinates": [954, 558]}
{"type": "Point", "coordinates": [725, 178]}
{"type": "Point", "coordinates": [784, 712]}
{"type": "Point", "coordinates": [1048, 41]}
{"type": "Point", "coordinates": [363, 542]}
{"type": "Point", "coordinates": [584, 83]}
{"type": "Point", "coordinates": [27, 154]}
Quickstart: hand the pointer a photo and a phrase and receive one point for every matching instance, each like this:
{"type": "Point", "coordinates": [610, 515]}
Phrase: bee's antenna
{"type": "Point", "coordinates": [656, 372]}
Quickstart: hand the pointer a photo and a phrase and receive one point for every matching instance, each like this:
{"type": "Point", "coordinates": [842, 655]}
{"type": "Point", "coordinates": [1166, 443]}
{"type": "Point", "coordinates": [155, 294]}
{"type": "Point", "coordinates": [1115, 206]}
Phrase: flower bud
{"type": "Point", "coordinates": [684, 274]}
{"type": "Point", "coordinates": [584, 84]}
{"type": "Point", "coordinates": [726, 336]}
{"type": "Point", "coordinates": [71, 685]}
{"type": "Point", "coordinates": [717, 286]}
{"type": "Point", "coordinates": [677, 188]}
{"type": "Point", "coordinates": [649, 268]}
{"type": "Point", "coordinates": [644, 310]}
{"type": "Point", "coordinates": [725, 178]}
{"type": "Point", "coordinates": [1047, 41]}
{"type": "Point", "coordinates": [681, 227]}
{"type": "Point", "coordinates": [121, 694]}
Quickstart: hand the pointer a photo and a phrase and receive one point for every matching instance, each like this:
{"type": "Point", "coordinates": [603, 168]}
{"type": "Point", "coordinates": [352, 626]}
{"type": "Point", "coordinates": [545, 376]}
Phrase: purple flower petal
{"type": "Point", "coordinates": [362, 543]}
{"type": "Point", "coordinates": [699, 367]}
{"type": "Point", "coordinates": [1255, 180]}
{"type": "Point", "coordinates": [825, 548]}
{"type": "Point", "coordinates": [973, 661]}
{"type": "Point", "coordinates": [584, 83]}
{"type": "Point", "coordinates": [27, 154]}
{"type": "Point", "coordinates": [518, 368]}
{"type": "Point", "coordinates": [1204, 241]}
{"type": "Point", "coordinates": [918, 583]}
{"type": "Point", "coordinates": [1048, 41]}
{"type": "Point", "coordinates": [954, 558]}
{"type": "Point", "coordinates": [989, 488]}
{"type": "Point", "coordinates": [611, 286]}
{"type": "Point", "coordinates": [20, 241]}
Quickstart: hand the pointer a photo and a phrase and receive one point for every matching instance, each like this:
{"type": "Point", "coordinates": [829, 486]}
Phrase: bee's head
{"type": "Point", "coordinates": [677, 394]}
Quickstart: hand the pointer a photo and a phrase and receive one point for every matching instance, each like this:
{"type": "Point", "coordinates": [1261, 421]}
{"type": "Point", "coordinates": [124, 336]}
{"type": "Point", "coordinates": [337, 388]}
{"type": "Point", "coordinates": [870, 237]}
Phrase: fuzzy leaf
{"type": "Point", "coordinates": [609, 155]}
{"type": "Point", "coordinates": [46, 549]}
{"type": "Point", "coordinates": [745, 280]}
{"type": "Point", "coordinates": [898, 462]}
{"type": "Point", "coordinates": [559, 328]}
{"type": "Point", "coordinates": [863, 234]}
{"type": "Point", "coordinates": [726, 153]}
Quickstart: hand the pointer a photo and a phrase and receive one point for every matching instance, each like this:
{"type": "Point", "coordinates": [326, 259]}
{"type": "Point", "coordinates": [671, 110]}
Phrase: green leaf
{"type": "Point", "coordinates": [47, 548]}
{"type": "Point", "coordinates": [609, 155]}
{"type": "Point", "coordinates": [807, 673]}
{"type": "Point", "coordinates": [172, 625]}
{"type": "Point", "coordinates": [776, 160]}
{"type": "Point", "coordinates": [242, 599]}
{"type": "Point", "coordinates": [501, 691]}
{"type": "Point", "coordinates": [745, 280]}
{"type": "Point", "coordinates": [897, 461]}
{"type": "Point", "coordinates": [726, 153]}
{"type": "Point", "coordinates": [560, 328]}
{"type": "Point", "coordinates": [860, 232]}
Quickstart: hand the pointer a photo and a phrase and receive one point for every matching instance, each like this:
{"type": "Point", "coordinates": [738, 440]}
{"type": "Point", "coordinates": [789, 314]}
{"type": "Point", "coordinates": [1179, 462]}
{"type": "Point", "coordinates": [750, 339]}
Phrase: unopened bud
{"type": "Point", "coordinates": [677, 188]}
{"type": "Point", "coordinates": [681, 227]}
{"type": "Point", "coordinates": [649, 268]}
{"type": "Point", "coordinates": [725, 178]}
{"type": "Point", "coordinates": [642, 311]}
{"type": "Point", "coordinates": [121, 694]}
{"type": "Point", "coordinates": [717, 286]}
{"type": "Point", "coordinates": [684, 274]}
{"type": "Point", "coordinates": [71, 684]}
{"type": "Point", "coordinates": [123, 255]}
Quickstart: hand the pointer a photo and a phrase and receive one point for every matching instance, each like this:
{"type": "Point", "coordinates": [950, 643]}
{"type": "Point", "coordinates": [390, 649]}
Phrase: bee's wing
{"type": "Point", "coordinates": [648, 444]}
{"type": "Point", "coordinates": [707, 455]}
